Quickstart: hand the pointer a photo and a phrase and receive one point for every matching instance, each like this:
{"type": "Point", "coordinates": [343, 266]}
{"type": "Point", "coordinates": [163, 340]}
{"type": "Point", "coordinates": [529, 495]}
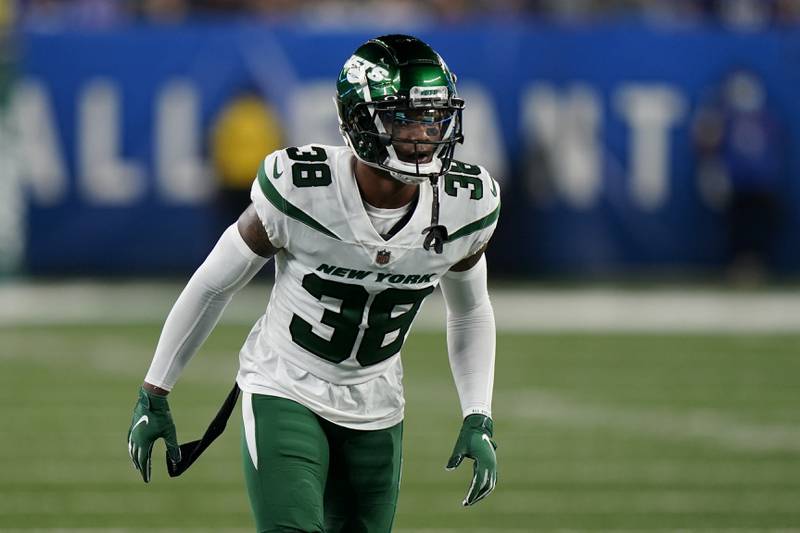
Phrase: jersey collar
{"type": "Point", "coordinates": [408, 237]}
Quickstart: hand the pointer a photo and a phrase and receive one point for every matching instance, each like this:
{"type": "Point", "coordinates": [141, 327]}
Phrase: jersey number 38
{"type": "Point", "coordinates": [389, 312]}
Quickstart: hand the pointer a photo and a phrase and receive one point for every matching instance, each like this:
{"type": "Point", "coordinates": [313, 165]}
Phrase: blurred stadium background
{"type": "Point", "coordinates": [644, 271]}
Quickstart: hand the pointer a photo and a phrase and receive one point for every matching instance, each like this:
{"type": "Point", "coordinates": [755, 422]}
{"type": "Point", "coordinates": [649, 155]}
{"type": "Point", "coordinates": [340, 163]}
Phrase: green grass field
{"type": "Point", "coordinates": [595, 431]}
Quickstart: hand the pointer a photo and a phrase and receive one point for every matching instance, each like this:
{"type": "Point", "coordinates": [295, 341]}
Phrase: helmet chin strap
{"type": "Point", "coordinates": [436, 233]}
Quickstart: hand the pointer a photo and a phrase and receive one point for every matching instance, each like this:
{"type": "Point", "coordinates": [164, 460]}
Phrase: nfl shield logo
{"type": "Point", "coordinates": [383, 257]}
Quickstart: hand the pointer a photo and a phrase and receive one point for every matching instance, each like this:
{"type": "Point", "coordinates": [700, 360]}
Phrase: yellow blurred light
{"type": "Point", "coordinates": [6, 14]}
{"type": "Point", "coordinates": [246, 130]}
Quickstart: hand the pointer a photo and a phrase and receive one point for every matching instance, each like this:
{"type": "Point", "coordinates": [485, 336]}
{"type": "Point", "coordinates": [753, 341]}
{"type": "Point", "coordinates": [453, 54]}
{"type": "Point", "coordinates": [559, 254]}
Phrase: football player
{"type": "Point", "coordinates": [361, 234]}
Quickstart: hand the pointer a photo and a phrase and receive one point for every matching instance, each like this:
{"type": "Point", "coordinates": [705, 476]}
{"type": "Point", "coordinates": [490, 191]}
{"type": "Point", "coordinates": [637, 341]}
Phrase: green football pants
{"type": "Point", "coordinates": [307, 475]}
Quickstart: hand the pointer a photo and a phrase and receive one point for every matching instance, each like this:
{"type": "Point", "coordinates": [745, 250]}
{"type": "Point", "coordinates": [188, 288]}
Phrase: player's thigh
{"type": "Point", "coordinates": [285, 454]}
{"type": "Point", "coordinates": [363, 479]}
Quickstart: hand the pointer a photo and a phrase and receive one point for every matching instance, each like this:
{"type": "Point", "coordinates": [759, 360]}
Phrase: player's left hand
{"type": "Point", "coordinates": [475, 441]}
{"type": "Point", "coordinates": [152, 420]}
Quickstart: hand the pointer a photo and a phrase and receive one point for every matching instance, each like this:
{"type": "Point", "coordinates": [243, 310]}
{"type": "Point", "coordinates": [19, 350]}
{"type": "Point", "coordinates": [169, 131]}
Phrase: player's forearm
{"type": "Point", "coordinates": [228, 268]}
{"type": "Point", "coordinates": [471, 337]}
{"type": "Point", "coordinates": [471, 349]}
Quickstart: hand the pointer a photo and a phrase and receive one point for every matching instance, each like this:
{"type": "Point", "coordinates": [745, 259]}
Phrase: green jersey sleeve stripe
{"type": "Point", "coordinates": [288, 208]}
{"type": "Point", "coordinates": [478, 225]}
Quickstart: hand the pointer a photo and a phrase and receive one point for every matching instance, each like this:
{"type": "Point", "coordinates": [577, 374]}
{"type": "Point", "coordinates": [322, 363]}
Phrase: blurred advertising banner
{"type": "Point", "coordinates": [619, 148]}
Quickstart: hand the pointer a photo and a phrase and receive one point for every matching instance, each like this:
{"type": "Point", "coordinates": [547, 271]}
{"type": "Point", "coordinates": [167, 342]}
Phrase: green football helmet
{"type": "Point", "coordinates": [390, 86]}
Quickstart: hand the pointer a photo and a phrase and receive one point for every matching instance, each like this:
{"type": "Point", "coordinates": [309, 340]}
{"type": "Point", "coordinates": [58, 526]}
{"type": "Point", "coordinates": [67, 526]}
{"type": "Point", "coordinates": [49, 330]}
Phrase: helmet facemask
{"type": "Point", "coordinates": [399, 112]}
{"type": "Point", "coordinates": [413, 138]}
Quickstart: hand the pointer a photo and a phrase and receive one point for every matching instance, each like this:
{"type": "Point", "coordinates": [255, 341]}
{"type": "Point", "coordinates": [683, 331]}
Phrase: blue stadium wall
{"type": "Point", "coordinates": [114, 129]}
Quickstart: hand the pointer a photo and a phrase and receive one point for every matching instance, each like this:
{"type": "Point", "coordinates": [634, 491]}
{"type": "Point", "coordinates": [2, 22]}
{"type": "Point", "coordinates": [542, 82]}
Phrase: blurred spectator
{"type": "Point", "coordinates": [375, 13]}
{"type": "Point", "coordinates": [741, 166]}
{"type": "Point", "coordinates": [745, 14]}
{"type": "Point", "coordinates": [787, 12]}
{"type": "Point", "coordinates": [740, 14]}
{"type": "Point", "coordinates": [220, 6]}
{"type": "Point", "coordinates": [677, 11]}
{"type": "Point", "coordinates": [272, 8]}
{"type": "Point", "coordinates": [579, 10]}
{"type": "Point", "coordinates": [163, 11]}
{"type": "Point", "coordinates": [55, 14]}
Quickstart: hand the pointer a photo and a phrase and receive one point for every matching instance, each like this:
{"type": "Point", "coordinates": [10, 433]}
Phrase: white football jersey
{"type": "Point", "coordinates": [344, 298]}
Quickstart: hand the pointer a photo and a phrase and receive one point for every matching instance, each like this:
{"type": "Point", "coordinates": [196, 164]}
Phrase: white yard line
{"type": "Point", "coordinates": [698, 425]}
{"type": "Point", "coordinates": [516, 309]}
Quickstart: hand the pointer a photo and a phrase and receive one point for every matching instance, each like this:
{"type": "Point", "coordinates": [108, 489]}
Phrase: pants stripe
{"type": "Point", "coordinates": [250, 427]}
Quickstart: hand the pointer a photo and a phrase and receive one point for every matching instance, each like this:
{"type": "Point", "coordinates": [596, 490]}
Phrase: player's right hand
{"type": "Point", "coordinates": [151, 421]}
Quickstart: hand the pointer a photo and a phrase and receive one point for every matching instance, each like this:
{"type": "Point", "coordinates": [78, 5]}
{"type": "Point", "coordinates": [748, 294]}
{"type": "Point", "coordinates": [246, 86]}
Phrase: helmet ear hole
{"type": "Point", "coordinates": [364, 139]}
{"type": "Point", "coordinates": [362, 118]}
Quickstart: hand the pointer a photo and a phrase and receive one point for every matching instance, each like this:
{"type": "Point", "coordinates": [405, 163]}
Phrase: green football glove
{"type": "Point", "coordinates": [475, 441]}
{"type": "Point", "coordinates": [151, 421]}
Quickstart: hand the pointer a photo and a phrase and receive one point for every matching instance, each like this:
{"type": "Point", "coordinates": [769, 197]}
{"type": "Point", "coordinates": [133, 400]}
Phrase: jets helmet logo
{"type": "Point", "coordinates": [359, 69]}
